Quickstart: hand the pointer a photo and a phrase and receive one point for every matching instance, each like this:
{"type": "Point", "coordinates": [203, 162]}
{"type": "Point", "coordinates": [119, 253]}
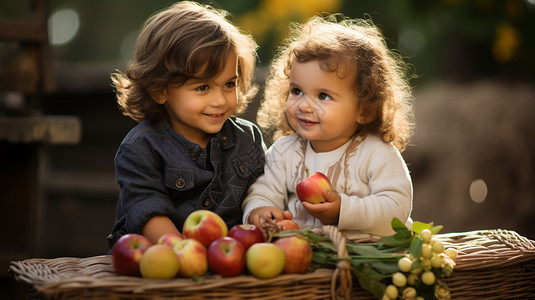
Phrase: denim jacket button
{"type": "Point", "coordinates": [242, 169]}
{"type": "Point", "coordinates": [180, 183]}
{"type": "Point", "coordinates": [206, 202]}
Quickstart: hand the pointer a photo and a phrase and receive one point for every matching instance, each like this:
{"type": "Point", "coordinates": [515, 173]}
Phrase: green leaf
{"type": "Point", "coordinates": [392, 241]}
{"type": "Point", "coordinates": [419, 226]}
{"type": "Point", "coordinates": [416, 246]}
{"type": "Point", "coordinates": [397, 225]}
{"type": "Point", "coordinates": [436, 229]}
{"type": "Point", "coordinates": [363, 249]}
{"type": "Point", "coordinates": [382, 267]}
{"type": "Point", "coordinates": [369, 279]}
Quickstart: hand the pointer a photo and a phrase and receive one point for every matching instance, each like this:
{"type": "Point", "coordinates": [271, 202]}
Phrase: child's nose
{"type": "Point", "coordinates": [306, 105]}
{"type": "Point", "coordinates": [219, 98]}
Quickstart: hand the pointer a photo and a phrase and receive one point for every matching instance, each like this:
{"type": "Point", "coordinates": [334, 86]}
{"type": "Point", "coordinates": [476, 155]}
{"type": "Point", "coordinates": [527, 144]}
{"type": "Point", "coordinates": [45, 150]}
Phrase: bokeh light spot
{"type": "Point", "coordinates": [63, 26]}
{"type": "Point", "coordinates": [478, 191]}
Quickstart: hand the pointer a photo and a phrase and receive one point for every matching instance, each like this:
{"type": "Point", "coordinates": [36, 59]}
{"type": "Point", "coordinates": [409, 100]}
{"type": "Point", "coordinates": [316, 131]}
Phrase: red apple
{"type": "Point", "coordinates": [226, 257]}
{"type": "Point", "coordinates": [192, 258]}
{"type": "Point", "coordinates": [127, 253]}
{"type": "Point", "coordinates": [170, 238]}
{"type": "Point", "coordinates": [298, 254]}
{"type": "Point", "coordinates": [287, 225]}
{"type": "Point", "coordinates": [311, 189]}
{"type": "Point", "coordinates": [247, 234]}
{"type": "Point", "coordinates": [204, 226]}
{"type": "Point", "coordinates": [265, 260]}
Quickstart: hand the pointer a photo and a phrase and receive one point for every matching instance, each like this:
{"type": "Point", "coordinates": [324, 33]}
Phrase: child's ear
{"type": "Point", "coordinates": [365, 116]}
{"type": "Point", "coordinates": [159, 97]}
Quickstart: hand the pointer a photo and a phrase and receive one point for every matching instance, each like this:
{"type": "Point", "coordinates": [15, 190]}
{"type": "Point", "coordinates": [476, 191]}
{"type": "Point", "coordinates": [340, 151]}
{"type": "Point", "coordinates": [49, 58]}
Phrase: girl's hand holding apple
{"type": "Point", "coordinates": [327, 212]}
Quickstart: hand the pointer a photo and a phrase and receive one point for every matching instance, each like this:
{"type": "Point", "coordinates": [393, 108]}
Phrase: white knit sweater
{"type": "Point", "coordinates": [369, 174]}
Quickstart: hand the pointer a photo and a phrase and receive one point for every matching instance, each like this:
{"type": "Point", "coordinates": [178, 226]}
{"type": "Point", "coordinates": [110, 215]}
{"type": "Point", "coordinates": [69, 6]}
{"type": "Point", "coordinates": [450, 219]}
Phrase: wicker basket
{"type": "Point", "coordinates": [492, 264]}
{"type": "Point", "coordinates": [95, 278]}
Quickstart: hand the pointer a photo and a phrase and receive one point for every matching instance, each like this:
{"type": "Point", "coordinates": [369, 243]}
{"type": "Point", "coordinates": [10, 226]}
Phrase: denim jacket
{"type": "Point", "coordinates": [160, 172]}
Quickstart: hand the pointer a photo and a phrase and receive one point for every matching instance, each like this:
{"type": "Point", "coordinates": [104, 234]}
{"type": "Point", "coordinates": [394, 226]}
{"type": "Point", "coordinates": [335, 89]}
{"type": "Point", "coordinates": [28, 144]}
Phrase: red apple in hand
{"type": "Point", "coordinates": [246, 234]}
{"type": "Point", "coordinates": [287, 225]}
{"type": "Point", "coordinates": [311, 189]}
{"type": "Point", "coordinates": [298, 254]}
{"type": "Point", "coordinates": [127, 253]}
{"type": "Point", "coordinates": [205, 226]}
{"type": "Point", "coordinates": [192, 258]}
{"type": "Point", "coordinates": [226, 257]}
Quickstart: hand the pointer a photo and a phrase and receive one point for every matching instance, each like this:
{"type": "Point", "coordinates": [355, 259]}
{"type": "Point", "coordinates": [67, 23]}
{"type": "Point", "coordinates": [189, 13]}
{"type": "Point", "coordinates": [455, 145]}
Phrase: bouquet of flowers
{"type": "Point", "coordinates": [406, 265]}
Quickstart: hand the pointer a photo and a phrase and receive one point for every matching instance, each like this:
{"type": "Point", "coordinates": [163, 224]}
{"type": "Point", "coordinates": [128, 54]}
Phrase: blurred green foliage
{"type": "Point", "coordinates": [448, 39]}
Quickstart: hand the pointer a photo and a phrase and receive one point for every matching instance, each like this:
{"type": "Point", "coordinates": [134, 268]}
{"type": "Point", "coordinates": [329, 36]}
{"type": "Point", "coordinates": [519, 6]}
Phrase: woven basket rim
{"type": "Point", "coordinates": [481, 252]}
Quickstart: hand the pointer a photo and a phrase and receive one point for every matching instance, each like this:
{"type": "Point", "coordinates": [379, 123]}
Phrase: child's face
{"type": "Point", "coordinates": [198, 108]}
{"type": "Point", "coordinates": [322, 106]}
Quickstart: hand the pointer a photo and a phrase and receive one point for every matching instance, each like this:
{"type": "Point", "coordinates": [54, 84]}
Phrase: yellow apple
{"type": "Point", "coordinates": [159, 262]}
{"type": "Point", "coordinates": [265, 260]}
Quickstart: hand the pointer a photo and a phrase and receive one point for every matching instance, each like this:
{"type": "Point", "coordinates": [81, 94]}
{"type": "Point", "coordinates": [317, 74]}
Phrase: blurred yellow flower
{"type": "Point", "coordinates": [506, 42]}
{"type": "Point", "coordinates": [277, 14]}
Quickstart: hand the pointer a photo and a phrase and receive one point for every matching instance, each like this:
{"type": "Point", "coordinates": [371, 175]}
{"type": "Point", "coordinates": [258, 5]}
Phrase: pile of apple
{"type": "Point", "coordinates": [206, 245]}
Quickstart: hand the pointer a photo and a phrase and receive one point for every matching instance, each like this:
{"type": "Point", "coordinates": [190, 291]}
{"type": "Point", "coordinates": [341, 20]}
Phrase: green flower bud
{"type": "Point", "coordinates": [399, 279]}
{"type": "Point", "coordinates": [412, 279]}
{"type": "Point", "coordinates": [451, 253]}
{"type": "Point", "coordinates": [405, 264]}
{"type": "Point", "coordinates": [428, 278]}
{"type": "Point", "coordinates": [391, 291]}
{"type": "Point", "coordinates": [438, 247]}
{"type": "Point", "coordinates": [426, 251]}
{"type": "Point", "coordinates": [426, 235]}
{"type": "Point", "coordinates": [436, 262]}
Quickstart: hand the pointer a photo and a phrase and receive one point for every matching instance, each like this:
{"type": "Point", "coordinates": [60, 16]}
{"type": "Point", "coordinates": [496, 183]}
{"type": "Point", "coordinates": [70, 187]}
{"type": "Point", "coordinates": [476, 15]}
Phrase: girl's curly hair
{"type": "Point", "coordinates": [173, 46]}
{"type": "Point", "coordinates": [381, 86]}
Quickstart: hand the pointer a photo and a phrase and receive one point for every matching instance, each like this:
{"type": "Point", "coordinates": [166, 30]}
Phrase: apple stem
{"type": "Point", "coordinates": [270, 237]}
{"type": "Point", "coordinates": [307, 171]}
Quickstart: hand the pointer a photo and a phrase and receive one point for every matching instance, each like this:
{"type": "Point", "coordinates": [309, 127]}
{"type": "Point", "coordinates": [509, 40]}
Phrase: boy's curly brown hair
{"type": "Point", "coordinates": [173, 46]}
{"type": "Point", "coordinates": [381, 86]}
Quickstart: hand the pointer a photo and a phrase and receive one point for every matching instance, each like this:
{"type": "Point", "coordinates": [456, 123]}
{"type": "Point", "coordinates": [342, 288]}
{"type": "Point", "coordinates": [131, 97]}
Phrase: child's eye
{"type": "Point", "coordinates": [230, 84]}
{"type": "Point", "coordinates": [202, 88]}
{"type": "Point", "coordinates": [296, 92]}
{"type": "Point", "coordinates": [323, 96]}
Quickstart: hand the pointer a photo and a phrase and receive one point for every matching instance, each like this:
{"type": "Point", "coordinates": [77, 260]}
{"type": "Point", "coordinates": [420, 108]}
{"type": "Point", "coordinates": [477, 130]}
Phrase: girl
{"type": "Point", "coordinates": [191, 71]}
{"type": "Point", "coordinates": [337, 99]}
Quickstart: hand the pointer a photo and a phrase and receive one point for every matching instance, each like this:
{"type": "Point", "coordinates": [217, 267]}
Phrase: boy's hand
{"type": "Point", "coordinates": [270, 213]}
{"type": "Point", "coordinates": [327, 212]}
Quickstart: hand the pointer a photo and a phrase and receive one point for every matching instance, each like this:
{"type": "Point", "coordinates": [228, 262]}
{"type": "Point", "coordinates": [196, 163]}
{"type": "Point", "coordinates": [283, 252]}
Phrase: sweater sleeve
{"type": "Point", "coordinates": [142, 194]}
{"type": "Point", "coordinates": [270, 188]}
{"type": "Point", "coordinates": [385, 173]}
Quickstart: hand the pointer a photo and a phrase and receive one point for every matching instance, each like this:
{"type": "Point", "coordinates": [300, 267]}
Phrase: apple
{"type": "Point", "coordinates": [246, 234]}
{"type": "Point", "coordinates": [265, 260]}
{"type": "Point", "coordinates": [204, 226]}
{"type": "Point", "coordinates": [170, 239]}
{"type": "Point", "coordinates": [159, 262]}
{"type": "Point", "coordinates": [311, 189]}
{"type": "Point", "coordinates": [287, 225]}
{"type": "Point", "coordinates": [226, 257]}
{"type": "Point", "coordinates": [192, 258]}
{"type": "Point", "coordinates": [127, 253]}
{"type": "Point", "coordinates": [297, 252]}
